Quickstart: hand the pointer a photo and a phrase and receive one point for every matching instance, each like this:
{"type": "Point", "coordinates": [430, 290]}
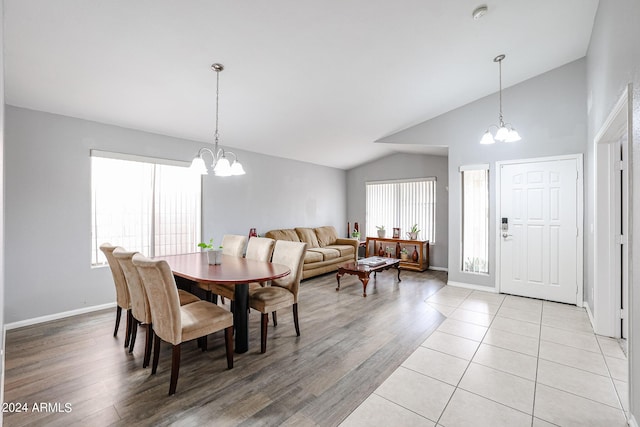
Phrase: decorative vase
{"type": "Point", "coordinates": [381, 250]}
{"type": "Point", "coordinates": [404, 256]}
{"type": "Point", "coordinates": [412, 236]}
{"type": "Point", "coordinates": [398, 249]}
{"type": "Point", "coordinates": [382, 233]}
{"type": "Point", "coordinates": [215, 256]}
{"type": "Point", "coordinates": [415, 255]}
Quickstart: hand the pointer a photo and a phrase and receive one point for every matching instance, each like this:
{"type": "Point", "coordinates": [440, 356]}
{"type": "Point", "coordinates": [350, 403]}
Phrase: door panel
{"type": "Point", "coordinates": [538, 252]}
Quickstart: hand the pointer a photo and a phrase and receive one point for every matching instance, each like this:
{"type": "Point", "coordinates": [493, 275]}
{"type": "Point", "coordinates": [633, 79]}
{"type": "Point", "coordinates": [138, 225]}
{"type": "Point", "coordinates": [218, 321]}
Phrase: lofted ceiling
{"type": "Point", "coordinates": [315, 81]}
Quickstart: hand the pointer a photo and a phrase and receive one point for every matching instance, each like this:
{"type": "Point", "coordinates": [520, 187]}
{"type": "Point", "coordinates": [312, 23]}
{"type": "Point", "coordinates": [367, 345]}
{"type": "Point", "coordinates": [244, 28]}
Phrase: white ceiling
{"type": "Point", "coordinates": [316, 81]}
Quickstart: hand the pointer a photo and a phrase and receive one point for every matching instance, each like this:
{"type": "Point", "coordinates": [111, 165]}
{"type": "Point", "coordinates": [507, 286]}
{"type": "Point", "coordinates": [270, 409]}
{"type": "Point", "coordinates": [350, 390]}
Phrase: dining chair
{"type": "Point", "coordinates": [283, 292]}
{"type": "Point", "coordinates": [123, 301]}
{"type": "Point", "coordinates": [232, 245]}
{"type": "Point", "coordinates": [259, 249]}
{"type": "Point", "coordinates": [174, 323]}
{"type": "Point", "coordinates": [141, 312]}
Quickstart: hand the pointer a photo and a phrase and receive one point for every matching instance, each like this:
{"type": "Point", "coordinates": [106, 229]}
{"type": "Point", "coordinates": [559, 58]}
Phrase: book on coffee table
{"type": "Point", "coordinates": [373, 261]}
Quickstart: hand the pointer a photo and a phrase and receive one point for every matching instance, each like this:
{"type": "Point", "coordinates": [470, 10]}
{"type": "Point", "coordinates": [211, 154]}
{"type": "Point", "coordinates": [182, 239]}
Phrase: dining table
{"type": "Point", "coordinates": [232, 270]}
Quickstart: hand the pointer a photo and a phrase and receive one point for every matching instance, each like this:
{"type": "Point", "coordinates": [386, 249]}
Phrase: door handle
{"type": "Point", "coordinates": [505, 235]}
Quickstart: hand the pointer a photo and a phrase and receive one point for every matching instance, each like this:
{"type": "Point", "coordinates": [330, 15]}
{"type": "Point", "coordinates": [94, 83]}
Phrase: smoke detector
{"type": "Point", "coordinates": [479, 12]}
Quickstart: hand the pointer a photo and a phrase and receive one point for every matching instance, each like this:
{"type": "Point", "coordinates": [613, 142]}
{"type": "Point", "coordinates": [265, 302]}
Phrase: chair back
{"type": "Point", "coordinates": [290, 254]}
{"type": "Point", "coordinates": [122, 291]}
{"type": "Point", "coordinates": [164, 301]}
{"type": "Point", "coordinates": [139, 301]}
{"type": "Point", "coordinates": [260, 249]}
{"type": "Point", "coordinates": [233, 245]}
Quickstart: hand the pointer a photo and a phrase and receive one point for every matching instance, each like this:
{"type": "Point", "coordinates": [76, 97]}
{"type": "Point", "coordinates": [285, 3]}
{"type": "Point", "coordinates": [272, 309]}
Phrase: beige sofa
{"type": "Point", "coordinates": [325, 251]}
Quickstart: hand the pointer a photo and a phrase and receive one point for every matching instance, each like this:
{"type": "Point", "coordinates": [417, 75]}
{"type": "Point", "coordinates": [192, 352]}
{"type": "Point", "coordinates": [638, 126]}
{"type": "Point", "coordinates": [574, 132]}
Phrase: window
{"type": "Point", "coordinates": [475, 218]}
{"type": "Point", "coordinates": [146, 205]}
{"type": "Point", "coordinates": [402, 204]}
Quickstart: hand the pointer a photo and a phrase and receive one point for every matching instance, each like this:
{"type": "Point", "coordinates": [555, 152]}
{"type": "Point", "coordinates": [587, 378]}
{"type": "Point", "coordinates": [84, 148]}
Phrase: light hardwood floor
{"type": "Point", "coordinates": [348, 346]}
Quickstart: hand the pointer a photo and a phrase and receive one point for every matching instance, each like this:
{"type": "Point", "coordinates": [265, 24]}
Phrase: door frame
{"type": "Point", "coordinates": [579, 217]}
{"type": "Point", "coordinates": [606, 298]}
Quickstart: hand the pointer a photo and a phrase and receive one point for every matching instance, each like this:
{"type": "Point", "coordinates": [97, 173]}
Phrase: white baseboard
{"type": "Point", "coordinates": [431, 267]}
{"type": "Point", "coordinates": [586, 306]}
{"type": "Point", "coordinates": [56, 316]}
{"type": "Point", "coordinates": [474, 287]}
{"type": "Point", "coordinates": [632, 421]}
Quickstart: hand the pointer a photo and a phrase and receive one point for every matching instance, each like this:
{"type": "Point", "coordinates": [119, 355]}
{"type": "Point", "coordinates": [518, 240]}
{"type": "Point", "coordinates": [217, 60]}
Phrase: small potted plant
{"type": "Point", "coordinates": [213, 254]}
{"type": "Point", "coordinates": [413, 234]}
{"type": "Point", "coordinates": [355, 234]}
{"type": "Point", "coordinates": [404, 254]}
{"type": "Point", "coordinates": [381, 231]}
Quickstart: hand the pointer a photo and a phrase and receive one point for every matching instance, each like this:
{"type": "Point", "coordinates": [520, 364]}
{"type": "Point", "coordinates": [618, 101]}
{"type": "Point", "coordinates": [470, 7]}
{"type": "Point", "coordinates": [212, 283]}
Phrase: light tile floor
{"type": "Point", "coordinates": [500, 360]}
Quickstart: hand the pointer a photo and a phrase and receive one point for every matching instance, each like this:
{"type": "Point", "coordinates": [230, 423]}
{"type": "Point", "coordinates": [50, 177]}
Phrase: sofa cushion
{"type": "Point", "coordinates": [308, 236]}
{"type": "Point", "coordinates": [327, 254]}
{"type": "Point", "coordinates": [311, 257]}
{"type": "Point", "coordinates": [284, 234]}
{"type": "Point", "coordinates": [326, 235]}
{"type": "Point", "coordinates": [343, 249]}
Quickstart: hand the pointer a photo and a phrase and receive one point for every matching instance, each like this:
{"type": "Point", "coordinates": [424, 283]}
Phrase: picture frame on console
{"type": "Point", "coordinates": [396, 232]}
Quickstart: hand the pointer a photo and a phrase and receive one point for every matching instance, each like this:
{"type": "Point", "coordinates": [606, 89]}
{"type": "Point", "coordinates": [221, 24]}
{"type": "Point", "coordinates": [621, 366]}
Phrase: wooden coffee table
{"type": "Point", "coordinates": [364, 267]}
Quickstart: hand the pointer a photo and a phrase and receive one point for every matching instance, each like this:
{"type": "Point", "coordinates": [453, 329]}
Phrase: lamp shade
{"type": "Point", "coordinates": [513, 136]}
{"type": "Point", "coordinates": [502, 133]}
{"type": "Point", "coordinates": [198, 166]}
{"type": "Point", "coordinates": [222, 168]}
{"type": "Point", "coordinates": [236, 168]}
{"type": "Point", "coordinates": [487, 139]}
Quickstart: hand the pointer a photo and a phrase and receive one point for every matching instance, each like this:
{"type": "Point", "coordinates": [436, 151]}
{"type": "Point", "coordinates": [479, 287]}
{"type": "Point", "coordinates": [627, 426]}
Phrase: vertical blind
{"type": "Point", "coordinates": [475, 219]}
{"type": "Point", "coordinates": [151, 208]}
{"type": "Point", "coordinates": [401, 204]}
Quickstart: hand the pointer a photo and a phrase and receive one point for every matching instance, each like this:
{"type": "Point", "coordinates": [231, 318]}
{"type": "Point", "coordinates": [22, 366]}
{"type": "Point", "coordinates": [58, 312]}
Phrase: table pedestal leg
{"type": "Point", "coordinates": [240, 317]}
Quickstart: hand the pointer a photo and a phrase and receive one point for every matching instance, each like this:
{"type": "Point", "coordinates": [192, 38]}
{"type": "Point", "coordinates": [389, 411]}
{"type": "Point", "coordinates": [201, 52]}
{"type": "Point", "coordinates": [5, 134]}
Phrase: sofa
{"type": "Point", "coordinates": [325, 250]}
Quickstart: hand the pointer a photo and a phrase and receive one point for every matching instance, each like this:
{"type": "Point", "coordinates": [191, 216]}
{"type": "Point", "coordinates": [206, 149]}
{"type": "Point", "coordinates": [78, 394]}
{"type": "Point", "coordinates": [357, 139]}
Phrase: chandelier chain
{"type": "Point", "coordinates": [216, 135]}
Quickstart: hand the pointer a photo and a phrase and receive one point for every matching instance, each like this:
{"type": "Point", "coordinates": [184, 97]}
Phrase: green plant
{"type": "Point", "coordinates": [404, 251]}
{"type": "Point", "coordinates": [208, 245]}
{"type": "Point", "coordinates": [415, 229]}
{"type": "Point", "coordinates": [380, 227]}
{"type": "Point", "coordinates": [355, 233]}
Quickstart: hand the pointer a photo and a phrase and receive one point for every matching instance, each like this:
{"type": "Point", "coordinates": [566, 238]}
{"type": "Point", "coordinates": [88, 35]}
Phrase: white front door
{"type": "Point", "coordinates": [539, 234]}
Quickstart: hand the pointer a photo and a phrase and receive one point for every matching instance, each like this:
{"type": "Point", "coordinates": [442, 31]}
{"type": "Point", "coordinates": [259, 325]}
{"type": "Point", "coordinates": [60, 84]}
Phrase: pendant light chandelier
{"type": "Point", "coordinates": [505, 132]}
{"type": "Point", "coordinates": [220, 163]}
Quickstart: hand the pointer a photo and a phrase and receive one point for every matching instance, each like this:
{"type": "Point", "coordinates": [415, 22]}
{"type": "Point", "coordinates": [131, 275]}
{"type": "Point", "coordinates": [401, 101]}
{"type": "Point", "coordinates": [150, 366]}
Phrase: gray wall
{"type": "Point", "coordinates": [48, 199]}
{"type": "Point", "coordinates": [404, 166]}
{"type": "Point", "coordinates": [550, 113]}
{"type": "Point", "coordinates": [613, 61]}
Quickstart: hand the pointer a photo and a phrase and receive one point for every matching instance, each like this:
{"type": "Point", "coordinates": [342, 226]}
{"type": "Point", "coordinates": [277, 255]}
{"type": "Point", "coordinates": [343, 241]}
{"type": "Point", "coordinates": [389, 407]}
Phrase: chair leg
{"type": "Point", "coordinates": [134, 334]}
{"type": "Point", "coordinates": [156, 354]}
{"type": "Point", "coordinates": [147, 346]}
{"type": "Point", "coordinates": [263, 333]}
{"type": "Point", "coordinates": [129, 328]}
{"type": "Point", "coordinates": [228, 341]}
{"type": "Point", "coordinates": [222, 300]}
{"type": "Point", "coordinates": [118, 315]}
{"type": "Point", "coordinates": [204, 343]}
{"type": "Point", "coordinates": [295, 318]}
{"type": "Point", "coordinates": [232, 306]}
{"type": "Point", "coordinates": [275, 318]}
{"type": "Point", "coordinates": [175, 369]}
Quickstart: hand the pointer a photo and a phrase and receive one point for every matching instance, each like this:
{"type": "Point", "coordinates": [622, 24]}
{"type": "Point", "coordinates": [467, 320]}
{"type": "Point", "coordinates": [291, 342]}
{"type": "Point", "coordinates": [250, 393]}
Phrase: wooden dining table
{"type": "Point", "coordinates": [235, 271]}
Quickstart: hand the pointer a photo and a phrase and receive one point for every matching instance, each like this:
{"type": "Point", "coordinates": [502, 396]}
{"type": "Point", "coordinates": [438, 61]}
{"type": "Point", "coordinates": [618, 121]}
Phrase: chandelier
{"type": "Point", "coordinates": [505, 132]}
{"type": "Point", "coordinates": [220, 164]}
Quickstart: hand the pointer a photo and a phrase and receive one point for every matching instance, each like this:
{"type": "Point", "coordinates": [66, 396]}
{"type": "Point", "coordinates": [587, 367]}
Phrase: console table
{"type": "Point", "coordinates": [422, 246]}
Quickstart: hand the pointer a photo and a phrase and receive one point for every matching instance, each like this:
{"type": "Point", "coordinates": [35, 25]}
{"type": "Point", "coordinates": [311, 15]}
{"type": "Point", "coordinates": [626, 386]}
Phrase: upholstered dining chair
{"type": "Point", "coordinates": [141, 312]}
{"type": "Point", "coordinates": [259, 249]}
{"type": "Point", "coordinates": [232, 245]}
{"type": "Point", "coordinates": [174, 323]}
{"type": "Point", "coordinates": [283, 292]}
{"type": "Point", "coordinates": [123, 300]}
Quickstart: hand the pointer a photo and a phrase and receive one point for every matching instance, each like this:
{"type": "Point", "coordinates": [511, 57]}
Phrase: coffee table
{"type": "Point", "coordinates": [364, 267]}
